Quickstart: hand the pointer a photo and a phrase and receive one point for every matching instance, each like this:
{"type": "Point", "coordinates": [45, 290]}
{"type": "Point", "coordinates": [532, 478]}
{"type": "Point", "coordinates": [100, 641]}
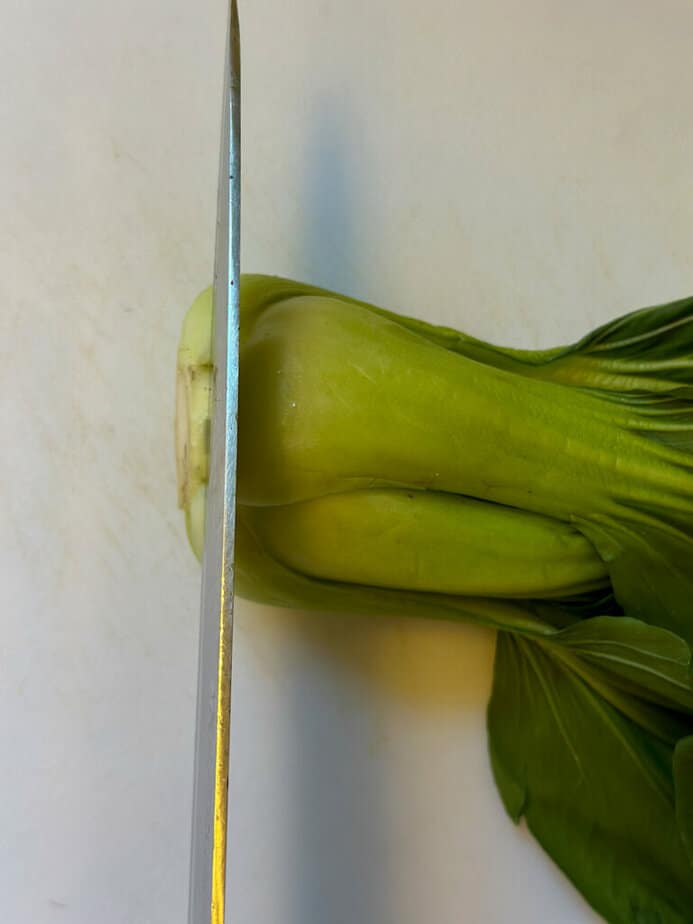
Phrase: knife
{"type": "Point", "coordinates": [207, 896]}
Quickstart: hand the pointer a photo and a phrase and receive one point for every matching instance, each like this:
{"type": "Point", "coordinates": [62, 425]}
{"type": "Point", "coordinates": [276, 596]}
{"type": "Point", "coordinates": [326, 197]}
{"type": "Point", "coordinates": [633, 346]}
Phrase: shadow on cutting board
{"type": "Point", "coordinates": [376, 697]}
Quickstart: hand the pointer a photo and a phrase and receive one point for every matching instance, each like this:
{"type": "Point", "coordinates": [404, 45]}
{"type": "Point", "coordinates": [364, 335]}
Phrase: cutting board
{"type": "Point", "coordinates": [518, 170]}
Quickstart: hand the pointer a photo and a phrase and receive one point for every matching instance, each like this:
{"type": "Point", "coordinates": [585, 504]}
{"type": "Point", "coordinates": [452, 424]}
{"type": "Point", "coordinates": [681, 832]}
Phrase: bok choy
{"type": "Point", "coordinates": [389, 466]}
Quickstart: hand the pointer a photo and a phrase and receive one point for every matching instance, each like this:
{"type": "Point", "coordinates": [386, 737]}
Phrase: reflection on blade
{"type": "Point", "coordinates": [209, 830]}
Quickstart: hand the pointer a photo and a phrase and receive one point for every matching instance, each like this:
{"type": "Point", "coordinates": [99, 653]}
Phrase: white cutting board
{"type": "Point", "coordinates": [519, 169]}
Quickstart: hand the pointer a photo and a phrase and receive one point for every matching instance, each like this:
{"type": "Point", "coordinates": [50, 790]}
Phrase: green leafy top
{"type": "Point", "coordinates": [583, 748]}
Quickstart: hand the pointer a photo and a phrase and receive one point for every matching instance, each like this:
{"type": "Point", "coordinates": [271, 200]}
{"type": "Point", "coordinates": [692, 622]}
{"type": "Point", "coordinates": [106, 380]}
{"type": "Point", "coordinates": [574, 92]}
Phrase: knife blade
{"type": "Point", "coordinates": [207, 896]}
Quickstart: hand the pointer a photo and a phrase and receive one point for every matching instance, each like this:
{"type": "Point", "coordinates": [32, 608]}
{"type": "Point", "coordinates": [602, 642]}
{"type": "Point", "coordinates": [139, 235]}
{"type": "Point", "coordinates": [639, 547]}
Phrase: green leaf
{"type": "Point", "coordinates": [646, 660]}
{"type": "Point", "coordinates": [651, 568]}
{"type": "Point", "coordinates": [650, 350]}
{"type": "Point", "coordinates": [594, 784]}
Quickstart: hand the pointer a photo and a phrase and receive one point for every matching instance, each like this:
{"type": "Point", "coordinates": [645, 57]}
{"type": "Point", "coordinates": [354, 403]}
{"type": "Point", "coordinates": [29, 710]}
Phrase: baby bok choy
{"type": "Point", "coordinates": [389, 466]}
